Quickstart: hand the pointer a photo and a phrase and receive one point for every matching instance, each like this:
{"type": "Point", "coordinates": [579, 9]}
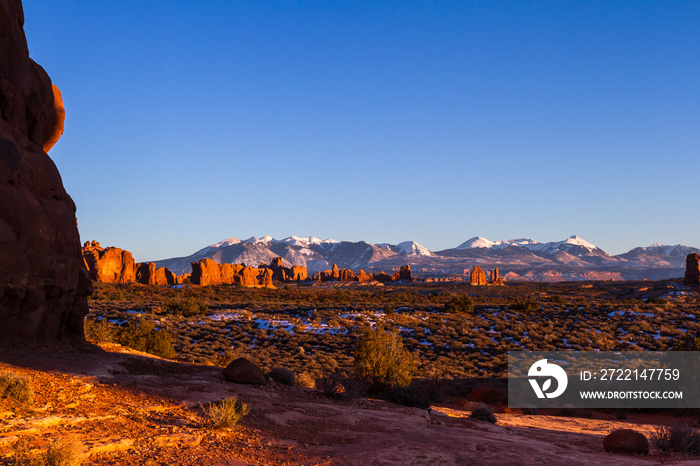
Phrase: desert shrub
{"type": "Point", "coordinates": [556, 299]}
{"type": "Point", "coordinates": [483, 412]}
{"type": "Point", "coordinates": [225, 414]}
{"type": "Point", "coordinates": [676, 437]}
{"type": "Point", "coordinates": [527, 305]}
{"type": "Point", "coordinates": [408, 396]}
{"type": "Point", "coordinates": [340, 387]}
{"type": "Point", "coordinates": [382, 361]}
{"type": "Point", "coordinates": [306, 380]}
{"type": "Point", "coordinates": [60, 452]}
{"type": "Point", "coordinates": [142, 335]}
{"type": "Point", "coordinates": [223, 359]}
{"type": "Point", "coordinates": [99, 331]}
{"type": "Point", "coordinates": [16, 388]}
{"type": "Point", "coordinates": [691, 342]}
{"type": "Point", "coordinates": [64, 452]}
{"type": "Point", "coordinates": [186, 307]}
{"type": "Point", "coordinates": [23, 456]}
{"type": "Point", "coordinates": [460, 304]}
{"type": "Point", "coordinates": [282, 375]}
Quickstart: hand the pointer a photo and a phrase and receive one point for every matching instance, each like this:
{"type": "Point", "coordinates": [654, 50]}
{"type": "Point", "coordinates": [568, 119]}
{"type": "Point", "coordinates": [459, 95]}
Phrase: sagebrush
{"type": "Point", "coordinates": [225, 414]}
{"type": "Point", "coordinates": [382, 360]}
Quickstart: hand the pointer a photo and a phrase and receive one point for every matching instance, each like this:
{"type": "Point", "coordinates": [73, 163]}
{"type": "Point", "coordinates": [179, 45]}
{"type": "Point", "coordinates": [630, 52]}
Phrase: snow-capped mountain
{"type": "Point", "coordinates": [408, 248]}
{"type": "Point", "coordinates": [570, 259]}
{"type": "Point", "coordinates": [313, 253]}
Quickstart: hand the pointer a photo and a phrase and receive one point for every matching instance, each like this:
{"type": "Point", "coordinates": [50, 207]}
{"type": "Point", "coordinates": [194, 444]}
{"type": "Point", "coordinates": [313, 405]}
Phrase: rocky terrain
{"type": "Point", "coordinates": [518, 260]}
{"type": "Point", "coordinates": [128, 408]}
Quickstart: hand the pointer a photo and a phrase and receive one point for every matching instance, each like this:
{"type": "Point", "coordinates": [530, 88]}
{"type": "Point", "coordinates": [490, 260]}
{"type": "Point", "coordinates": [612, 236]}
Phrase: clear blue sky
{"type": "Point", "coordinates": [190, 122]}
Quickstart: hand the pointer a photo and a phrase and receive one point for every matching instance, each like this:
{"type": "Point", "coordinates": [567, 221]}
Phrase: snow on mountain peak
{"type": "Point", "coordinates": [476, 242]}
{"type": "Point", "coordinates": [578, 241]}
{"type": "Point", "coordinates": [306, 240]}
{"type": "Point", "coordinates": [413, 248]}
{"type": "Point", "coordinates": [226, 242]}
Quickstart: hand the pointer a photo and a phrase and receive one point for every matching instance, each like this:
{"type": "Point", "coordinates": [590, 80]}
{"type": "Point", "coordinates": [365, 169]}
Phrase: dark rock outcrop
{"type": "Point", "coordinates": [626, 441]}
{"type": "Point", "coordinates": [243, 371]}
{"type": "Point", "coordinates": [404, 273]}
{"type": "Point", "coordinates": [692, 270]}
{"type": "Point", "coordinates": [146, 273]}
{"type": "Point", "coordinates": [43, 281]}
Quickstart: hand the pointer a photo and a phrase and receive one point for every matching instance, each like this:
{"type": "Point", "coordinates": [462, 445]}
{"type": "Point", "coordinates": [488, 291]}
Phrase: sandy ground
{"type": "Point", "coordinates": [129, 408]}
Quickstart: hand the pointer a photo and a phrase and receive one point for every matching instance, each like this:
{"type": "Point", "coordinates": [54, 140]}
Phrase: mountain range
{"type": "Point", "coordinates": [518, 259]}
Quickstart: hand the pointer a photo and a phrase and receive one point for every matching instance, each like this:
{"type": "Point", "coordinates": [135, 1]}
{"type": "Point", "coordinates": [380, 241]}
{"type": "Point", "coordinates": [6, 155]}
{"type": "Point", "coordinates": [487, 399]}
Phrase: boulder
{"type": "Point", "coordinates": [146, 273]}
{"type": "Point", "coordinates": [692, 270]}
{"type": "Point", "coordinates": [243, 371]}
{"type": "Point", "coordinates": [626, 441]}
{"type": "Point", "coordinates": [109, 265]}
{"type": "Point", "coordinates": [44, 283]}
{"type": "Point", "coordinates": [478, 277]}
{"type": "Point", "coordinates": [362, 277]}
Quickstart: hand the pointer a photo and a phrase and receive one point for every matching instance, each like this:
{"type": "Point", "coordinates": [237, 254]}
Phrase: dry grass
{"type": "Point", "coordinates": [60, 452]}
{"type": "Point", "coordinates": [676, 437]}
{"type": "Point", "coordinates": [16, 388]}
{"type": "Point", "coordinates": [225, 414]}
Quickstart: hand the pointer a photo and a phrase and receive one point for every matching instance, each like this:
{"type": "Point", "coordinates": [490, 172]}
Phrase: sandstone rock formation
{"type": "Point", "coordinates": [626, 441]}
{"type": "Point", "coordinates": [496, 278]}
{"type": "Point", "coordinates": [404, 273]}
{"type": "Point", "coordinates": [109, 265]}
{"type": "Point", "coordinates": [287, 274]}
{"type": "Point", "coordinates": [692, 270]}
{"type": "Point", "coordinates": [362, 277]}
{"type": "Point", "coordinates": [382, 277]}
{"type": "Point", "coordinates": [146, 273]}
{"type": "Point", "coordinates": [478, 277]}
{"type": "Point", "coordinates": [243, 371]}
{"type": "Point", "coordinates": [165, 277]}
{"type": "Point", "coordinates": [346, 275]}
{"type": "Point", "coordinates": [208, 272]}
{"type": "Point", "coordinates": [43, 281]}
{"type": "Point", "coordinates": [298, 273]}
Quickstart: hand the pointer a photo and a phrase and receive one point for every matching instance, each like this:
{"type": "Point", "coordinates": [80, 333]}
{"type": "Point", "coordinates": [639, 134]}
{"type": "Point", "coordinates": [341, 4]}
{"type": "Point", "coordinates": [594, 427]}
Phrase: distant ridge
{"type": "Point", "coordinates": [518, 259]}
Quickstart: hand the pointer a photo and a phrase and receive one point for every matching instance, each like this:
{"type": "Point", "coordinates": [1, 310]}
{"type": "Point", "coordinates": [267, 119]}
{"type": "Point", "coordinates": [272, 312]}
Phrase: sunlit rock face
{"type": "Point", "coordinates": [43, 280]}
